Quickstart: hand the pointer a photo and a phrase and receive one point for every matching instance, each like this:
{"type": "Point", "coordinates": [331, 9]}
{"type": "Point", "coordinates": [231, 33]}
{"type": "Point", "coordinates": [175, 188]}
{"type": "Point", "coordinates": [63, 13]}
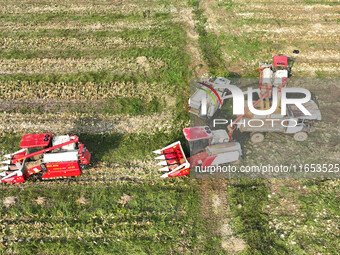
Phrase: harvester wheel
{"type": "Point", "coordinates": [43, 168]}
{"type": "Point", "coordinates": [257, 137]}
{"type": "Point", "coordinates": [35, 177]}
{"type": "Point", "coordinates": [300, 136]}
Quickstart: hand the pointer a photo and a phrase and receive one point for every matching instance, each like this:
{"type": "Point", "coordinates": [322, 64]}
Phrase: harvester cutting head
{"type": "Point", "coordinates": [174, 161]}
{"type": "Point", "coordinates": [45, 157]}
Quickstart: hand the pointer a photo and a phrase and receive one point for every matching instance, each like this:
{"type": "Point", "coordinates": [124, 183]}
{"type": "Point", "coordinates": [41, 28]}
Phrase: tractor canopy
{"type": "Point", "coordinates": [35, 140]}
{"type": "Point", "coordinates": [280, 61]}
{"type": "Point", "coordinates": [197, 133]}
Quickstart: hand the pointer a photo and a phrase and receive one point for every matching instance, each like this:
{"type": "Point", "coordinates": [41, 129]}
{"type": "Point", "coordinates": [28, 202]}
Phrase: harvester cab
{"type": "Point", "coordinates": [213, 91]}
{"type": "Point", "coordinates": [43, 156]}
{"type": "Point", "coordinates": [207, 148]}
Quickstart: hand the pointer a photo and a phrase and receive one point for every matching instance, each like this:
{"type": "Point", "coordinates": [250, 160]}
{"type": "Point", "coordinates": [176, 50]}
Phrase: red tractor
{"type": "Point", "coordinates": [277, 73]}
{"type": "Point", "coordinates": [45, 157]}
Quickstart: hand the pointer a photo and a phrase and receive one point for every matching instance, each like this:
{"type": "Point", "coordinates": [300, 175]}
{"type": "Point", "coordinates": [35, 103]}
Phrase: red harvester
{"type": "Point", "coordinates": [45, 157]}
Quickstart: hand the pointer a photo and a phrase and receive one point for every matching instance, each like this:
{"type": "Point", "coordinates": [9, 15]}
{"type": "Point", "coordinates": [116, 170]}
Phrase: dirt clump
{"type": "Point", "coordinates": [9, 201]}
{"type": "Point", "coordinates": [143, 62]}
{"type": "Point", "coordinates": [40, 200]}
{"type": "Point", "coordinates": [81, 201]}
{"type": "Point", "coordinates": [124, 199]}
{"type": "Point", "coordinates": [234, 245]}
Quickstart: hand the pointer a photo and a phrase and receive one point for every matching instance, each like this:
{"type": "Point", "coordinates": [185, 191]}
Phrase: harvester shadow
{"type": "Point", "coordinates": [98, 140]}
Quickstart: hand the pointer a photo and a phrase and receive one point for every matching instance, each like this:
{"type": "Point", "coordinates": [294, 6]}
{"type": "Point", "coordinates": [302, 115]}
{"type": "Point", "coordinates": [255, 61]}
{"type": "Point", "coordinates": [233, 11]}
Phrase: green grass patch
{"type": "Point", "coordinates": [227, 5]}
{"type": "Point", "coordinates": [121, 148]}
{"type": "Point", "coordinates": [331, 3]}
{"type": "Point", "coordinates": [9, 143]}
{"type": "Point", "coordinates": [272, 21]}
{"type": "Point", "coordinates": [130, 105]}
{"type": "Point", "coordinates": [247, 49]}
{"type": "Point", "coordinates": [250, 221]}
{"type": "Point", "coordinates": [159, 218]}
{"type": "Point", "coordinates": [210, 45]}
{"type": "Point", "coordinates": [211, 49]}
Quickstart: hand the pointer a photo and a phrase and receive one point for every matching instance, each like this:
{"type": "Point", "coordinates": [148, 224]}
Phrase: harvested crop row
{"type": "Point", "coordinates": [83, 8]}
{"type": "Point", "coordinates": [286, 7]}
{"type": "Point", "coordinates": [46, 43]}
{"type": "Point", "coordinates": [135, 170]}
{"type": "Point", "coordinates": [74, 25]}
{"type": "Point", "coordinates": [10, 90]}
{"type": "Point", "coordinates": [118, 105]}
{"type": "Point", "coordinates": [70, 65]}
{"type": "Point", "coordinates": [290, 17]}
{"type": "Point", "coordinates": [310, 29]}
{"type": "Point", "coordinates": [64, 123]}
{"type": "Point", "coordinates": [310, 54]}
{"type": "Point", "coordinates": [304, 66]}
{"type": "Point", "coordinates": [312, 68]}
{"type": "Point", "coordinates": [325, 40]}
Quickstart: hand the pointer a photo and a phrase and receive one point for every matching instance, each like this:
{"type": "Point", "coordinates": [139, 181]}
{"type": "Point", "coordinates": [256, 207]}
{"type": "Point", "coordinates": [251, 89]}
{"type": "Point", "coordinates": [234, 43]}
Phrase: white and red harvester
{"type": "Point", "coordinates": [208, 147]}
{"type": "Point", "coordinates": [45, 157]}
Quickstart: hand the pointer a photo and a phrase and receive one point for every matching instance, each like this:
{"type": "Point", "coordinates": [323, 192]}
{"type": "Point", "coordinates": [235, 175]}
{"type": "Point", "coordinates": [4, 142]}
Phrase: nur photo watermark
{"type": "Point", "coordinates": [247, 128]}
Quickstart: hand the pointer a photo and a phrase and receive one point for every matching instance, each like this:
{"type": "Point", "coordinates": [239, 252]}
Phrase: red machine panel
{"type": "Point", "coordinates": [280, 61]}
{"type": "Point", "coordinates": [35, 140]}
{"type": "Point", "coordinates": [14, 179]}
{"type": "Point", "coordinates": [87, 157]}
{"type": "Point", "coordinates": [62, 169]}
{"type": "Point", "coordinates": [197, 133]}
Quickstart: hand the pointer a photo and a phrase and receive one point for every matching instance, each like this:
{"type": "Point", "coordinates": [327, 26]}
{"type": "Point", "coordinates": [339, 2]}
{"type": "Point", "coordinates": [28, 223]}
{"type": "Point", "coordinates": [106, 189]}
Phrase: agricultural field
{"type": "Point", "coordinates": [117, 74]}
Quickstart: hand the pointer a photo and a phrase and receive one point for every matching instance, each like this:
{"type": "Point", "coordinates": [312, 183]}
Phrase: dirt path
{"type": "Point", "coordinates": [213, 15]}
{"type": "Point", "coordinates": [214, 205]}
{"type": "Point", "coordinates": [215, 212]}
{"type": "Point", "coordinates": [197, 65]}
